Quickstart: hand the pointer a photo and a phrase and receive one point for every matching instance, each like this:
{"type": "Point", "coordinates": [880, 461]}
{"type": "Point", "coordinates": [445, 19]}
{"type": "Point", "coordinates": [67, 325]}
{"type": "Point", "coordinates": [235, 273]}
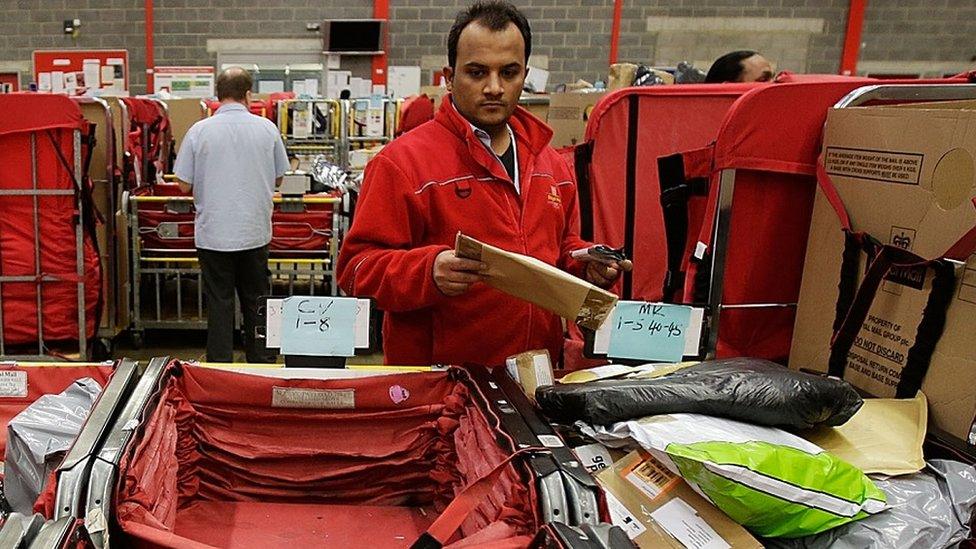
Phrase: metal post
{"type": "Point", "coordinates": [343, 144]}
{"type": "Point", "coordinates": [80, 250]}
{"type": "Point", "coordinates": [136, 251]}
{"type": "Point", "coordinates": [720, 240]}
{"type": "Point", "coordinates": [39, 282]}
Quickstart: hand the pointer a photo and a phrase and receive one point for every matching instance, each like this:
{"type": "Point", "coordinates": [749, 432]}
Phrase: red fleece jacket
{"type": "Point", "coordinates": [421, 190]}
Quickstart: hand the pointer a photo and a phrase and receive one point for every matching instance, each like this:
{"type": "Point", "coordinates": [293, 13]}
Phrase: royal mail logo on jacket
{"type": "Point", "coordinates": [555, 200]}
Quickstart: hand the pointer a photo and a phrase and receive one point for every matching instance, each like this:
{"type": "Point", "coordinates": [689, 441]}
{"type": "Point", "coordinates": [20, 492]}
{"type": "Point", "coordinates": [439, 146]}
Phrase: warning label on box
{"type": "Point", "coordinates": [879, 355]}
{"type": "Point", "coordinates": [885, 166]}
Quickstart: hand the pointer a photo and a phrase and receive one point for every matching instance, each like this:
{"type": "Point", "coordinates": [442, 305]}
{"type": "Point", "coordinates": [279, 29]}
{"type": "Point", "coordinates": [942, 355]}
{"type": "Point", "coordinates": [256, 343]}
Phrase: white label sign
{"type": "Point", "coordinates": [594, 457]}
{"type": "Point", "coordinates": [601, 339]}
{"type": "Point", "coordinates": [680, 520]}
{"type": "Point", "coordinates": [620, 516]}
{"type": "Point", "coordinates": [185, 81]}
{"type": "Point", "coordinates": [13, 384]}
{"type": "Point", "coordinates": [273, 324]}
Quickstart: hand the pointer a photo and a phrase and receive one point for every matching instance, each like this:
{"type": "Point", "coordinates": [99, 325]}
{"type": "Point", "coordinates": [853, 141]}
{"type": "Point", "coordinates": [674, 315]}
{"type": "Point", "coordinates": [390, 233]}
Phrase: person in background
{"type": "Point", "coordinates": [232, 161]}
{"type": "Point", "coordinates": [740, 66]}
{"type": "Point", "coordinates": [484, 167]}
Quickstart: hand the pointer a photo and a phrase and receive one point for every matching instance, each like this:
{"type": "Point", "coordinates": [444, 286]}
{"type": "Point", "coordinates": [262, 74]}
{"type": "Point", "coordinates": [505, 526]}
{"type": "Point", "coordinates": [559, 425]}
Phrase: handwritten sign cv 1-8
{"type": "Point", "coordinates": [648, 331]}
{"type": "Point", "coordinates": [318, 326]}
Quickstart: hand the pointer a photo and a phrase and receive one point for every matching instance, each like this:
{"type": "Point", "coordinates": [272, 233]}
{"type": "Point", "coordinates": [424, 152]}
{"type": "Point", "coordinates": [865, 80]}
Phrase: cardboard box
{"type": "Point", "coordinates": [183, 113]}
{"type": "Point", "coordinates": [907, 177]}
{"type": "Point", "coordinates": [531, 369]}
{"type": "Point", "coordinates": [568, 113]}
{"type": "Point", "coordinates": [536, 103]}
{"type": "Point", "coordinates": [658, 509]}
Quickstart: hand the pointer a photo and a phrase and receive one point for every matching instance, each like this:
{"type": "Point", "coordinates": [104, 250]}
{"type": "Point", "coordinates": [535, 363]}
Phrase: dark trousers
{"type": "Point", "coordinates": [224, 272]}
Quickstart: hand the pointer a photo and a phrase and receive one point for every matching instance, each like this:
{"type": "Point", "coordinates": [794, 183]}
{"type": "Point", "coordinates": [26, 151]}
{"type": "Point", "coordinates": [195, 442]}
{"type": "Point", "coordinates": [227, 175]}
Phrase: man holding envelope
{"type": "Point", "coordinates": [483, 167]}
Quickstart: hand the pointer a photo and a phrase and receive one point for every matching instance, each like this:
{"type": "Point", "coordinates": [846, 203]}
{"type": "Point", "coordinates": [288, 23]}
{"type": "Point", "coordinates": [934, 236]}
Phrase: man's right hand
{"type": "Point", "coordinates": [454, 275]}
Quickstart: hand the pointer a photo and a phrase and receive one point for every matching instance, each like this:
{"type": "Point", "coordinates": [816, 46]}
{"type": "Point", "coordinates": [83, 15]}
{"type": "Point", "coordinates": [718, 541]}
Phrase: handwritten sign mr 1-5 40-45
{"type": "Point", "coordinates": [648, 331]}
{"type": "Point", "coordinates": [318, 326]}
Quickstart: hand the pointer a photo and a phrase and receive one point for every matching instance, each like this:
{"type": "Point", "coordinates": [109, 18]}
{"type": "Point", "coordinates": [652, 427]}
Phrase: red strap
{"type": "Point", "coordinates": [830, 192]}
{"type": "Point", "coordinates": [698, 162]}
{"type": "Point", "coordinates": [960, 251]}
{"type": "Point", "coordinates": [470, 497]}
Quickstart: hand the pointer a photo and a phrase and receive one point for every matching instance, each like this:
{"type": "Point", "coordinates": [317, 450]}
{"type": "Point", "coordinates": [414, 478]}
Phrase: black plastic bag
{"type": "Point", "coordinates": [747, 389]}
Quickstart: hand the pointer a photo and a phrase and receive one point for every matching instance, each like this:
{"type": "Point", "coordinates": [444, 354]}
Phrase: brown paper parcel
{"type": "Point", "coordinates": [885, 436]}
{"type": "Point", "coordinates": [906, 177]}
{"type": "Point", "coordinates": [540, 283]}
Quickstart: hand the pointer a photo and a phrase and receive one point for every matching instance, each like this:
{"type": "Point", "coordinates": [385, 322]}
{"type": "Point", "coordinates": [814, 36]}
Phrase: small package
{"type": "Point", "coordinates": [39, 437]}
{"type": "Point", "coordinates": [658, 509]}
{"type": "Point", "coordinates": [531, 369]}
{"type": "Point", "coordinates": [539, 283]}
{"type": "Point", "coordinates": [770, 481]}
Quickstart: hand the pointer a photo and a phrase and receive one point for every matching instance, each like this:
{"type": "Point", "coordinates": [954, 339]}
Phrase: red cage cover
{"type": "Point", "coordinates": [771, 137]}
{"type": "Point", "coordinates": [146, 132]}
{"type": "Point", "coordinates": [169, 226]}
{"type": "Point", "coordinates": [669, 119]}
{"type": "Point", "coordinates": [52, 120]}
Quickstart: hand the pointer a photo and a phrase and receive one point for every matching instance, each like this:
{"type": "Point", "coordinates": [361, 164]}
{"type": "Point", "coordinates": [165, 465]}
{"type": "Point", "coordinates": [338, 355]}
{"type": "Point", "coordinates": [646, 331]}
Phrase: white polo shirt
{"type": "Point", "coordinates": [232, 160]}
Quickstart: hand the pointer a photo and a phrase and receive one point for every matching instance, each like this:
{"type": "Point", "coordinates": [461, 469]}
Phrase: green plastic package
{"type": "Point", "coordinates": [770, 481]}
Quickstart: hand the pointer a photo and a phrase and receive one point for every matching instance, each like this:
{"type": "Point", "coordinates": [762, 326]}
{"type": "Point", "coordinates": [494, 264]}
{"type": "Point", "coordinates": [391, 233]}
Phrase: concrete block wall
{"type": "Point", "coordinates": [571, 36]}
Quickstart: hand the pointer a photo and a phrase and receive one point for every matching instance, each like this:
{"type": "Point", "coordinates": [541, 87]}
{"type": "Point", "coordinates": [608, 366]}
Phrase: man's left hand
{"type": "Point", "coordinates": [605, 274]}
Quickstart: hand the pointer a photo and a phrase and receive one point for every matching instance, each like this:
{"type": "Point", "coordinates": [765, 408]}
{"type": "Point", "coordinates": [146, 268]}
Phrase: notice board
{"type": "Point", "coordinates": [77, 71]}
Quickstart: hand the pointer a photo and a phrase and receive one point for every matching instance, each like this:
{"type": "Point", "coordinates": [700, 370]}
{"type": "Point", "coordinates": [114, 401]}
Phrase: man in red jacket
{"type": "Point", "coordinates": [484, 167]}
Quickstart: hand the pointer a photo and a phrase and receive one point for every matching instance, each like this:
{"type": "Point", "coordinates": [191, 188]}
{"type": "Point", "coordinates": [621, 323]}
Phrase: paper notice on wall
{"type": "Point", "coordinates": [312, 86]}
{"type": "Point", "coordinates": [108, 75]}
{"type": "Point", "coordinates": [70, 82]}
{"type": "Point", "coordinates": [681, 521]}
{"type": "Point", "coordinates": [93, 77]}
{"type": "Point", "coordinates": [44, 81]}
{"type": "Point", "coordinates": [57, 82]}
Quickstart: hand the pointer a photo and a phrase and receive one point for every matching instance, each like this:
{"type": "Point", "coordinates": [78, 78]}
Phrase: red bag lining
{"type": "Point", "coordinates": [216, 444]}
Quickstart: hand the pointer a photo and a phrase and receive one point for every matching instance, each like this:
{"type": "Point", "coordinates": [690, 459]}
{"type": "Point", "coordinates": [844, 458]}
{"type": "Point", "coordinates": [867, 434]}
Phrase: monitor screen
{"type": "Point", "coordinates": [354, 36]}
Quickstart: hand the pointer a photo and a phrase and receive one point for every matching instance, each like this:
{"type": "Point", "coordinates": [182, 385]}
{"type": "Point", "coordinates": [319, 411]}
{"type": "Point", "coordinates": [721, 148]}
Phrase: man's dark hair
{"type": "Point", "coordinates": [233, 83]}
{"type": "Point", "coordinates": [493, 14]}
{"type": "Point", "coordinates": [728, 68]}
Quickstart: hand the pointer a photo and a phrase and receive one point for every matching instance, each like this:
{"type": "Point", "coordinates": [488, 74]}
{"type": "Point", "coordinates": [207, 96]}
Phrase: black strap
{"type": "Point", "coordinates": [582, 157]}
{"type": "Point", "coordinates": [929, 330]}
{"type": "Point", "coordinates": [854, 244]}
{"type": "Point", "coordinates": [630, 204]}
{"type": "Point", "coordinates": [676, 192]}
{"type": "Point", "coordinates": [857, 313]}
{"type": "Point", "coordinates": [426, 541]}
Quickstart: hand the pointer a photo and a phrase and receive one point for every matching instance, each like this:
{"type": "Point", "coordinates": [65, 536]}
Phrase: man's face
{"type": "Point", "coordinates": [756, 69]}
{"type": "Point", "coordinates": [489, 73]}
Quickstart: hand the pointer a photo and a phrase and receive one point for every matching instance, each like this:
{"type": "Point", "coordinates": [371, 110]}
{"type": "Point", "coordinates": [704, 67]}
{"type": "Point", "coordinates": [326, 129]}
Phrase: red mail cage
{"type": "Point", "coordinates": [743, 257]}
{"type": "Point", "coordinates": [201, 457]}
{"type": "Point", "coordinates": [50, 271]}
